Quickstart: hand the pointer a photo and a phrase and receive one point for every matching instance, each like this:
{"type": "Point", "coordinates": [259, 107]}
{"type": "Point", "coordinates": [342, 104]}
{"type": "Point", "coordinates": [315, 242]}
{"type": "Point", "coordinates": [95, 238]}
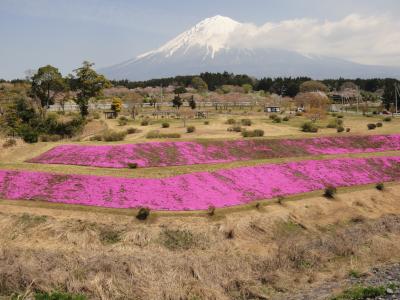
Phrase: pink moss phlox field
{"type": "Point", "coordinates": [158, 154]}
{"type": "Point", "coordinates": [197, 191]}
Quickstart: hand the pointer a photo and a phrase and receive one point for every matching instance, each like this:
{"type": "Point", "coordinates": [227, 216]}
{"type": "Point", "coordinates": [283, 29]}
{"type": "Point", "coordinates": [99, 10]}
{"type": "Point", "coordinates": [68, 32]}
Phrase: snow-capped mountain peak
{"type": "Point", "coordinates": [211, 33]}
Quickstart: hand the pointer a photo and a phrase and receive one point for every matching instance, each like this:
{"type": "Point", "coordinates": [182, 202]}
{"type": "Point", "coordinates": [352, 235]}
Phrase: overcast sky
{"type": "Point", "coordinates": [64, 33]}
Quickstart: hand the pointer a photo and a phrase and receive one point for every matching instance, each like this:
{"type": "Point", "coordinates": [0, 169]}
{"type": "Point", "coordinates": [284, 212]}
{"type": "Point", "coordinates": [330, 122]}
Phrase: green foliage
{"type": "Point", "coordinates": [206, 123]}
{"type": "Point", "coordinates": [253, 133]}
{"type": "Point", "coordinates": [371, 126]}
{"type": "Point", "coordinates": [109, 236]}
{"type": "Point", "coordinates": [340, 129]}
{"type": "Point", "coordinates": [192, 103]}
{"type": "Point", "coordinates": [89, 84]}
{"type": "Point", "coordinates": [285, 119]}
{"type": "Point", "coordinates": [132, 165]}
{"type": "Point", "coordinates": [361, 293]}
{"type": "Point", "coordinates": [131, 130]}
{"type": "Point", "coordinates": [47, 83]}
{"type": "Point", "coordinates": [116, 104]}
{"type": "Point", "coordinates": [309, 127]}
{"type": "Point", "coordinates": [165, 125]}
{"type": "Point", "coordinates": [180, 90]}
{"type": "Point", "coordinates": [246, 122]}
{"type": "Point", "coordinates": [54, 296]}
{"type": "Point", "coordinates": [313, 86]}
{"type": "Point", "coordinates": [156, 134]}
{"type": "Point", "coordinates": [190, 129]}
{"type": "Point", "coordinates": [235, 129]}
{"type": "Point", "coordinates": [247, 88]}
{"type": "Point", "coordinates": [28, 134]}
{"type": "Point", "coordinates": [177, 101]}
{"type": "Point", "coordinates": [379, 124]}
{"type": "Point", "coordinates": [144, 122]}
{"type": "Point", "coordinates": [380, 186]}
{"type": "Point", "coordinates": [387, 119]}
{"type": "Point", "coordinates": [277, 120]}
{"type": "Point", "coordinates": [199, 84]}
{"type": "Point", "coordinates": [230, 121]}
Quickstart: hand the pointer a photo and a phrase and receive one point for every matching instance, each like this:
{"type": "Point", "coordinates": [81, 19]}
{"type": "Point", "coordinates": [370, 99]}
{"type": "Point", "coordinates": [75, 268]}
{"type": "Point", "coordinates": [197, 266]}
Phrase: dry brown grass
{"type": "Point", "coordinates": [262, 253]}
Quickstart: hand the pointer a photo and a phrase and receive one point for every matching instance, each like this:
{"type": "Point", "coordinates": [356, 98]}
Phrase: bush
{"type": "Point", "coordinates": [380, 186]}
{"type": "Point", "coordinates": [132, 165]}
{"type": "Point", "coordinates": [387, 119]}
{"type": "Point", "coordinates": [253, 133]}
{"type": "Point", "coordinates": [165, 125]}
{"type": "Point", "coordinates": [177, 239]}
{"type": "Point", "coordinates": [190, 129]}
{"type": "Point", "coordinates": [155, 134]}
{"type": "Point", "coordinates": [50, 138]}
{"type": "Point", "coordinates": [131, 130]}
{"type": "Point", "coordinates": [277, 120]}
{"type": "Point", "coordinates": [348, 129]}
{"type": "Point", "coordinates": [273, 116]}
{"type": "Point", "coordinates": [144, 122]}
{"type": "Point", "coordinates": [143, 213]}
{"type": "Point", "coordinates": [299, 114]}
{"type": "Point", "coordinates": [230, 121]}
{"type": "Point", "coordinates": [340, 116]}
{"type": "Point", "coordinates": [340, 129]}
{"type": "Point", "coordinates": [55, 296]}
{"type": "Point", "coordinates": [309, 127]}
{"type": "Point", "coordinates": [122, 121]}
{"type": "Point", "coordinates": [246, 122]}
{"type": "Point", "coordinates": [96, 138]}
{"type": "Point", "coordinates": [29, 135]}
{"type": "Point", "coordinates": [285, 119]}
{"type": "Point", "coordinates": [330, 192]}
{"type": "Point", "coordinates": [9, 143]}
{"type": "Point", "coordinates": [96, 115]}
{"type": "Point", "coordinates": [211, 211]}
{"type": "Point", "coordinates": [379, 124]}
{"type": "Point", "coordinates": [113, 136]}
{"type": "Point", "coordinates": [371, 126]}
{"type": "Point", "coordinates": [206, 122]}
{"type": "Point", "coordinates": [235, 128]}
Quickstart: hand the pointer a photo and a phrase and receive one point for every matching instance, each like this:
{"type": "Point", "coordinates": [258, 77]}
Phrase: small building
{"type": "Point", "coordinates": [110, 114]}
{"type": "Point", "coordinates": [272, 109]}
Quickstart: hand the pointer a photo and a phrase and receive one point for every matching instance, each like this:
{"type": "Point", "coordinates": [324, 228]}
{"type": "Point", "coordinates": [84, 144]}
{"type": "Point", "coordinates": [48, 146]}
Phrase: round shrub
{"type": "Point", "coordinates": [371, 126]}
{"type": "Point", "coordinates": [387, 119]}
{"type": "Point", "coordinates": [340, 116]}
{"type": "Point", "coordinates": [143, 213]}
{"type": "Point", "coordinates": [380, 186]}
{"type": "Point", "coordinates": [29, 135]}
{"type": "Point", "coordinates": [348, 129]}
{"type": "Point", "coordinates": [144, 122]}
{"type": "Point", "coordinates": [113, 136]}
{"type": "Point", "coordinates": [97, 138]}
{"type": "Point", "coordinates": [190, 129]}
{"type": "Point", "coordinates": [122, 121]}
{"type": "Point", "coordinates": [340, 129]}
{"type": "Point", "coordinates": [246, 122]}
{"type": "Point", "coordinates": [273, 116]}
{"type": "Point", "coordinates": [299, 114]}
{"type": "Point", "coordinates": [379, 124]}
{"type": "Point", "coordinates": [206, 122]}
{"type": "Point", "coordinates": [235, 128]}
{"type": "Point", "coordinates": [309, 127]}
{"type": "Point", "coordinates": [230, 121]}
{"type": "Point", "coordinates": [253, 133]}
{"type": "Point", "coordinates": [277, 120]}
{"type": "Point", "coordinates": [285, 119]}
{"type": "Point", "coordinates": [165, 125]}
{"type": "Point", "coordinates": [131, 130]}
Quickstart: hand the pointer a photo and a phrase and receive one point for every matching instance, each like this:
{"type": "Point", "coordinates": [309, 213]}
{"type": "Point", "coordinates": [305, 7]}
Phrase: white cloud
{"type": "Point", "coordinates": [363, 39]}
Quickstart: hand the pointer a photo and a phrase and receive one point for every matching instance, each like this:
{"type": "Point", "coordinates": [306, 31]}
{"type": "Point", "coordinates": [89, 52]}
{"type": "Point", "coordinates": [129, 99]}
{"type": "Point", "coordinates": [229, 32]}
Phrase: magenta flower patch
{"type": "Point", "coordinates": [158, 154]}
{"type": "Point", "coordinates": [197, 191]}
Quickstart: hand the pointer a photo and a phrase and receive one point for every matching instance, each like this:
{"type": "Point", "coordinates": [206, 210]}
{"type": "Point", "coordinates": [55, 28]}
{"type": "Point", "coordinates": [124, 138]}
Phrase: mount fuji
{"type": "Point", "coordinates": [212, 46]}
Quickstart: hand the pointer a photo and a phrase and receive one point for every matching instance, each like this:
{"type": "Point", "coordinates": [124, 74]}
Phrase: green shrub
{"type": "Point", "coordinates": [299, 114]}
{"type": "Point", "coordinates": [277, 120]}
{"type": "Point", "coordinates": [253, 133]}
{"type": "Point", "coordinates": [144, 122]}
{"type": "Point", "coordinates": [96, 115]}
{"type": "Point", "coordinates": [155, 134]}
{"type": "Point", "coordinates": [55, 296]}
{"type": "Point", "coordinates": [309, 127]}
{"type": "Point", "coordinates": [9, 143]}
{"type": "Point", "coordinates": [165, 125]}
{"type": "Point", "coordinates": [340, 129]}
{"type": "Point", "coordinates": [330, 192]}
{"type": "Point", "coordinates": [235, 128]}
{"type": "Point", "coordinates": [190, 129]}
{"type": "Point", "coordinates": [211, 210]}
{"type": "Point", "coordinates": [380, 186]}
{"type": "Point", "coordinates": [230, 121]}
{"type": "Point", "coordinates": [206, 122]}
{"type": "Point", "coordinates": [362, 293]}
{"type": "Point", "coordinates": [143, 213]}
{"type": "Point", "coordinates": [273, 116]}
{"type": "Point", "coordinates": [132, 165]}
{"type": "Point", "coordinates": [28, 134]}
{"type": "Point", "coordinates": [96, 138]}
{"type": "Point", "coordinates": [109, 236]}
{"type": "Point", "coordinates": [371, 126]}
{"type": "Point", "coordinates": [246, 122]}
{"type": "Point", "coordinates": [387, 119]}
{"type": "Point", "coordinates": [122, 121]}
{"type": "Point", "coordinates": [379, 124]}
{"type": "Point", "coordinates": [285, 119]}
{"type": "Point", "coordinates": [348, 129]}
{"type": "Point", "coordinates": [131, 130]}
{"type": "Point", "coordinates": [113, 136]}
{"type": "Point", "coordinates": [340, 116]}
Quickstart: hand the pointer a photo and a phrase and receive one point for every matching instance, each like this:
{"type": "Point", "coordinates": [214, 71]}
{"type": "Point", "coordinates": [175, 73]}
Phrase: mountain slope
{"type": "Point", "coordinates": [207, 47]}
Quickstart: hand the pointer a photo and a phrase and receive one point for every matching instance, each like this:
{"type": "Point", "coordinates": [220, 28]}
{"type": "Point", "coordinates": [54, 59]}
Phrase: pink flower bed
{"type": "Point", "coordinates": [199, 190]}
{"type": "Point", "coordinates": [157, 154]}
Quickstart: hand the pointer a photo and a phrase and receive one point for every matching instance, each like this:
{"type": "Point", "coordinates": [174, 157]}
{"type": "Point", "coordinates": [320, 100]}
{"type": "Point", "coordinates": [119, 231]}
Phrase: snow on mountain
{"type": "Point", "coordinates": [212, 45]}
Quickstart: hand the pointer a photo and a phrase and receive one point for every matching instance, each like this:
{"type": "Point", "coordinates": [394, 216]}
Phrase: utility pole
{"type": "Point", "coordinates": [396, 95]}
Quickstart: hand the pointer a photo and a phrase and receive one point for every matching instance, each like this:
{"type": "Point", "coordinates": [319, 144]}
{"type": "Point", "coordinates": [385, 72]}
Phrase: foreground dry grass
{"type": "Point", "coordinates": [273, 252]}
